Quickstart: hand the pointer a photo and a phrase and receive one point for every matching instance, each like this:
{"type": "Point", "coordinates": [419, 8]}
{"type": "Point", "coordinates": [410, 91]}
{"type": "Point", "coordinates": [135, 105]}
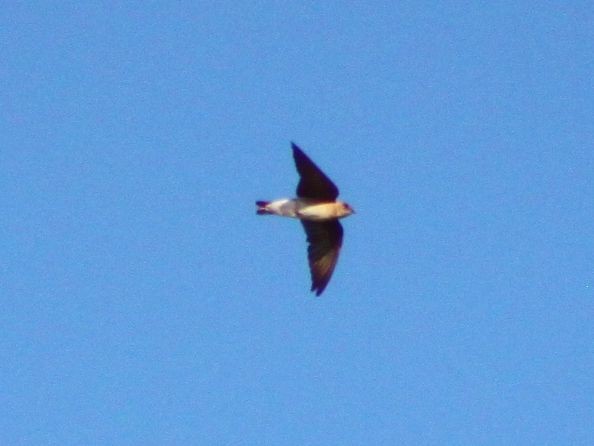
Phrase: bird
{"type": "Point", "coordinates": [319, 211]}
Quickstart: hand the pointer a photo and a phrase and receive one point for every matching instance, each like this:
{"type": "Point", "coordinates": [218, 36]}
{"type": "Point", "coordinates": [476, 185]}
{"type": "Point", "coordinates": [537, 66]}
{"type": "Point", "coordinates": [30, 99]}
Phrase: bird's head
{"type": "Point", "coordinates": [346, 210]}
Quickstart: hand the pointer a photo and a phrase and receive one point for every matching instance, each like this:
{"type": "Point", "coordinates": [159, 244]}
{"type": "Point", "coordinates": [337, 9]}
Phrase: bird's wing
{"type": "Point", "coordinates": [325, 240]}
{"type": "Point", "coordinates": [314, 183]}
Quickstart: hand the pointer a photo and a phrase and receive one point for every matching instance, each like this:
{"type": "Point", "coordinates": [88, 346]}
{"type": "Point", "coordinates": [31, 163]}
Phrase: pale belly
{"type": "Point", "coordinates": [303, 209]}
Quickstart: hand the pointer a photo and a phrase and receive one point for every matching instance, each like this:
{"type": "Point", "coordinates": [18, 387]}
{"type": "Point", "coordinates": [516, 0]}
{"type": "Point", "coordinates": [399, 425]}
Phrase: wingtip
{"type": "Point", "coordinates": [317, 289]}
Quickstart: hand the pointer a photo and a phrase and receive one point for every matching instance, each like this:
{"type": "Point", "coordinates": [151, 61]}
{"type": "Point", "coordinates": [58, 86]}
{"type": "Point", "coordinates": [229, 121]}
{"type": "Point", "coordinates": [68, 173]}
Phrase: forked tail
{"type": "Point", "coordinates": [262, 207]}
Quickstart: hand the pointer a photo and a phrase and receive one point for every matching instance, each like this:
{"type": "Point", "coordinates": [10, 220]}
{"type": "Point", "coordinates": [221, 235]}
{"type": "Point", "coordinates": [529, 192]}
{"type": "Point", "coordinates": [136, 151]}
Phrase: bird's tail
{"type": "Point", "coordinates": [262, 210]}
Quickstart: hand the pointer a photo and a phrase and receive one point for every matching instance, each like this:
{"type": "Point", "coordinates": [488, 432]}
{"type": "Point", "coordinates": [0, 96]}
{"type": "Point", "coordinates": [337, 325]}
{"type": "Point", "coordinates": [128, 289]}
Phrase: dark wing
{"type": "Point", "coordinates": [325, 240]}
{"type": "Point", "coordinates": [314, 183]}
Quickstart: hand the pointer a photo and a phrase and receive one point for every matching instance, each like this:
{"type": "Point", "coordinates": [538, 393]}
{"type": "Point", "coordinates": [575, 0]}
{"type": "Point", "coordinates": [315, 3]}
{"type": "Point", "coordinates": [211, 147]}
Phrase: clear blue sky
{"type": "Point", "coordinates": [144, 302]}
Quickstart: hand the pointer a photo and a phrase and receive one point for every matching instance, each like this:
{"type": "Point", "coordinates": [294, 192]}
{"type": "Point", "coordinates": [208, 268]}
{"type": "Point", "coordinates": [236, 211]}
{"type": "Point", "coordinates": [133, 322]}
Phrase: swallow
{"type": "Point", "coordinates": [319, 210]}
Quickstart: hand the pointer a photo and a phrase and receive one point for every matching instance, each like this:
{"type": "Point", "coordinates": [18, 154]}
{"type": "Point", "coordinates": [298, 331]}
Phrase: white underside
{"type": "Point", "coordinates": [303, 209]}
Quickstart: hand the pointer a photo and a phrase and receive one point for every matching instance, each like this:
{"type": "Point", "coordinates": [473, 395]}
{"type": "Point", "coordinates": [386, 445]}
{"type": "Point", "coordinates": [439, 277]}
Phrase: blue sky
{"type": "Point", "coordinates": [144, 302]}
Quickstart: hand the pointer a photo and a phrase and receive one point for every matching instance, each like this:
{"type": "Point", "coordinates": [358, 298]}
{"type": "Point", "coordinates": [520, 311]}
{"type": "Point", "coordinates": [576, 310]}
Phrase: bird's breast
{"type": "Point", "coordinates": [318, 211]}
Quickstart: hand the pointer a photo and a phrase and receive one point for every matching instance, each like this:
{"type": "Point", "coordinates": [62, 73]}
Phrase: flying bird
{"type": "Point", "coordinates": [319, 210]}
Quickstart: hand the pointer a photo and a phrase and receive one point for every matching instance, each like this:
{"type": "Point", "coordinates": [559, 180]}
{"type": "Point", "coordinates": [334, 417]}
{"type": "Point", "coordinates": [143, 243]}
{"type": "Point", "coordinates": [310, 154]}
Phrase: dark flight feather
{"type": "Point", "coordinates": [325, 241]}
{"type": "Point", "coordinates": [314, 183]}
